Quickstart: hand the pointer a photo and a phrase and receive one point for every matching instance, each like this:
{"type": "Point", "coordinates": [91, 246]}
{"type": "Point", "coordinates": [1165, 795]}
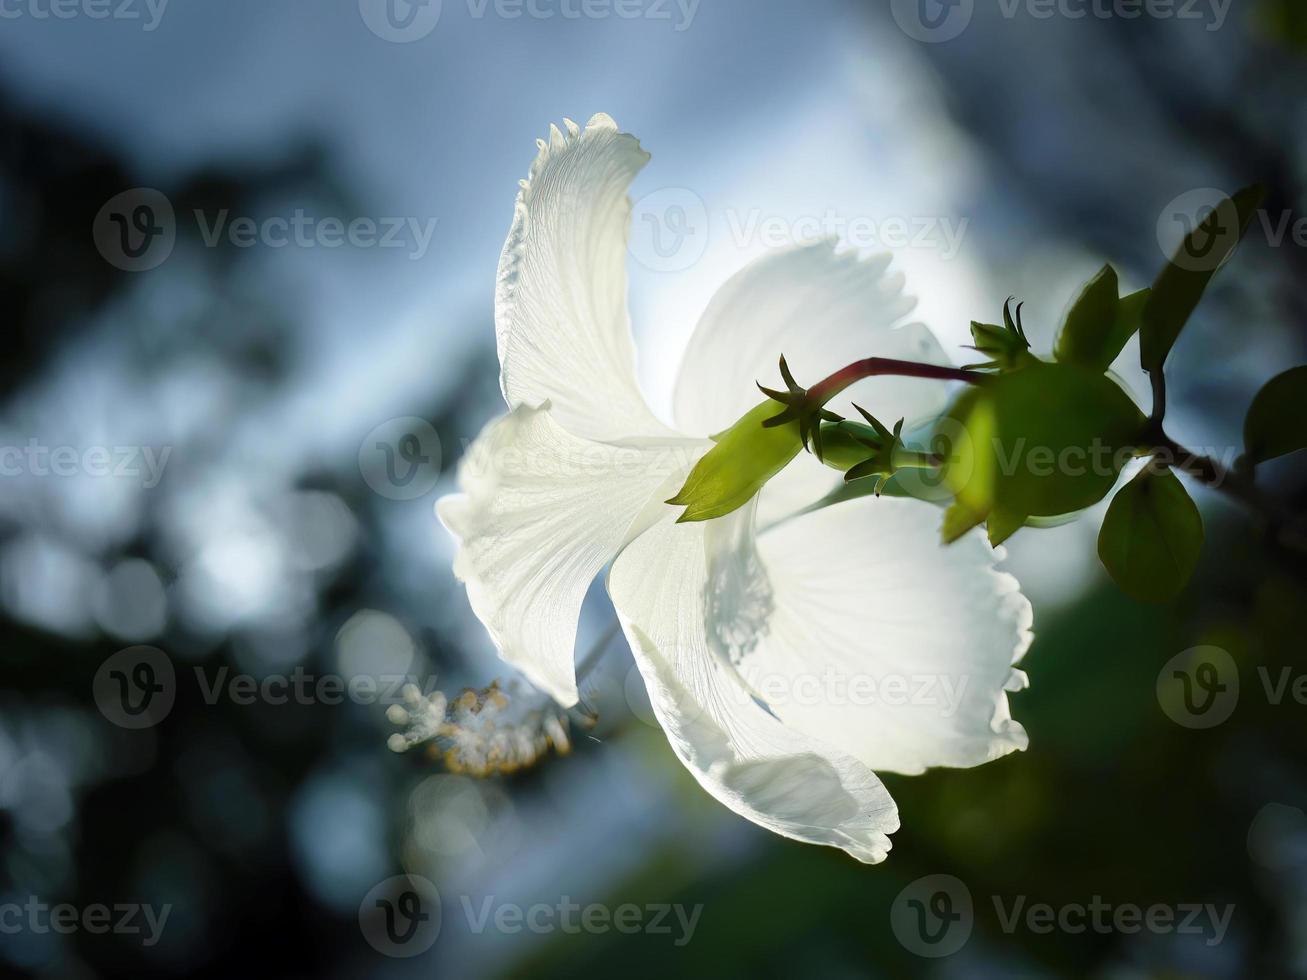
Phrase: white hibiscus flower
{"type": "Point", "coordinates": [787, 659]}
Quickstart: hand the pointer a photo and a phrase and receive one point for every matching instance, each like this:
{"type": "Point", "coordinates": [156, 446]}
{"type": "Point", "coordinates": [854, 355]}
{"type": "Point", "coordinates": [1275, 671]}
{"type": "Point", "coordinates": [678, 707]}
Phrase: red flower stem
{"type": "Point", "coordinates": [873, 367]}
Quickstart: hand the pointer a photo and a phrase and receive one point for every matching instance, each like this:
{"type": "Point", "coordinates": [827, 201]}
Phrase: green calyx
{"type": "Point", "coordinates": [870, 451]}
{"type": "Point", "coordinates": [1041, 441]}
{"type": "Point", "coordinates": [746, 456]}
{"type": "Point", "coordinates": [801, 409]}
{"type": "Point", "coordinates": [1007, 347]}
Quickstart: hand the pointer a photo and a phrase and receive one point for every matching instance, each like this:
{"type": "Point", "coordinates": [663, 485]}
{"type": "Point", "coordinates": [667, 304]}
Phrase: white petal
{"type": "Point", "coordinates": [746, 758]}
{"type": "Point", "coordinates": [888, 644]}
{"type": "Point", "coordinates": [822, 310]}
{"type": "Point", "coordinates": [540, 514]}
{"type": "Point", "coordinates": [561, 319]}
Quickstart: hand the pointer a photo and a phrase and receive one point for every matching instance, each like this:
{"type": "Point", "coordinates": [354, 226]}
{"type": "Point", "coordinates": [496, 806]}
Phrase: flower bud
{"type": "Point", "coordinates": [746, 456]}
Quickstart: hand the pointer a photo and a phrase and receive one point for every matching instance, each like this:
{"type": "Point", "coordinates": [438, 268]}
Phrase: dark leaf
{"type": "Point", "coordinates": [1277, 422]}
{"type": "Point", "coordinates": [1182, 283]}
{"type": "Point", "coordinates": [1090, 323]}
{"type": "Point", "coordinates": [1152, 537]}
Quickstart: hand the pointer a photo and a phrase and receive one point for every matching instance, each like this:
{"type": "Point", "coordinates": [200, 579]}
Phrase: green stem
{"type": "Point", "coordinates": [1212, 474]}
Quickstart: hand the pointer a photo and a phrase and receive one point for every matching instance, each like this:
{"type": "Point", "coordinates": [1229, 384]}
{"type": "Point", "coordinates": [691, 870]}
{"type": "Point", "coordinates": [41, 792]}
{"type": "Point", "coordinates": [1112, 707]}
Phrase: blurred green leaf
{"type": "Point", "coordinates": [746, 456]}
{"type": "Point", "coordinates": [1277, 422]}
{"type": "Point", "coordinates": [1152, 537]}
{"type": "Point", "coordinates": [1181, 285]}
{"type": "Point", "coordinates": [1285, 20]}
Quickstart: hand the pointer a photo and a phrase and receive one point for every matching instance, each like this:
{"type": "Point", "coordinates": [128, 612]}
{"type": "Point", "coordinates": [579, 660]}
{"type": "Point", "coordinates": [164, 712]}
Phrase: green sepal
{"type": "Point", "coordinates": [745, 457]}
{"type": "Point", "coordinates": [958, 520]}
{"type": "Point", "coordinates": [1006, 346]}
{"type": "Point", "coordinates": [1002, 524]}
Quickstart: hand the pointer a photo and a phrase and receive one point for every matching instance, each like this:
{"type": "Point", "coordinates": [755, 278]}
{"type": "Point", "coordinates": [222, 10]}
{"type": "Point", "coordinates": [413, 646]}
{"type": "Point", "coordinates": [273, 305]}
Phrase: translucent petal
{"type": "Point", "coordinates": [561, 319]}
{"type": "Point", "coordinates": [540, 514]}
{"type": "Point", "coordinates": [820, 308]}
{"type": "Point", "coordinates": [884, 642]}
{"type": "Point", "coordinates": [662, 585]}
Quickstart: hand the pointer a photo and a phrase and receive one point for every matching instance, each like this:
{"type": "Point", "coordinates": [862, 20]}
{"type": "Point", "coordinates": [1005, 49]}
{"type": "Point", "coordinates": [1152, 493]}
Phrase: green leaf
{"type": "Point", "coordinates": [1089, 322]}
{"type": "Point", "coordinates": [1100, 324]}
{"type": "Point", "coordinates": [1277, 422]}
{"type": "Point", "coordinates": [1182, 283]}
{"type": "Point", "coordinates": [746, 456]}
{"type": "Point", "coordinates": [1152, 537]}
{"type": "Point", "coordinates": [1041, 441]}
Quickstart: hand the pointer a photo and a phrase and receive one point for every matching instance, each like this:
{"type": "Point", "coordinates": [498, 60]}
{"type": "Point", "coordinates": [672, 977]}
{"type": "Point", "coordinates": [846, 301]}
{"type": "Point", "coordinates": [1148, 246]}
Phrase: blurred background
{"type": "Point", "coordinates": [223, 440]}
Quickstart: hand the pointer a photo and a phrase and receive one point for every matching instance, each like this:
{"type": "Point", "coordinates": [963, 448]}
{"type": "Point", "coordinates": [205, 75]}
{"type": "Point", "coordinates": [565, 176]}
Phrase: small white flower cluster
{"type": "Point", "coordinates": [480, 733]}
